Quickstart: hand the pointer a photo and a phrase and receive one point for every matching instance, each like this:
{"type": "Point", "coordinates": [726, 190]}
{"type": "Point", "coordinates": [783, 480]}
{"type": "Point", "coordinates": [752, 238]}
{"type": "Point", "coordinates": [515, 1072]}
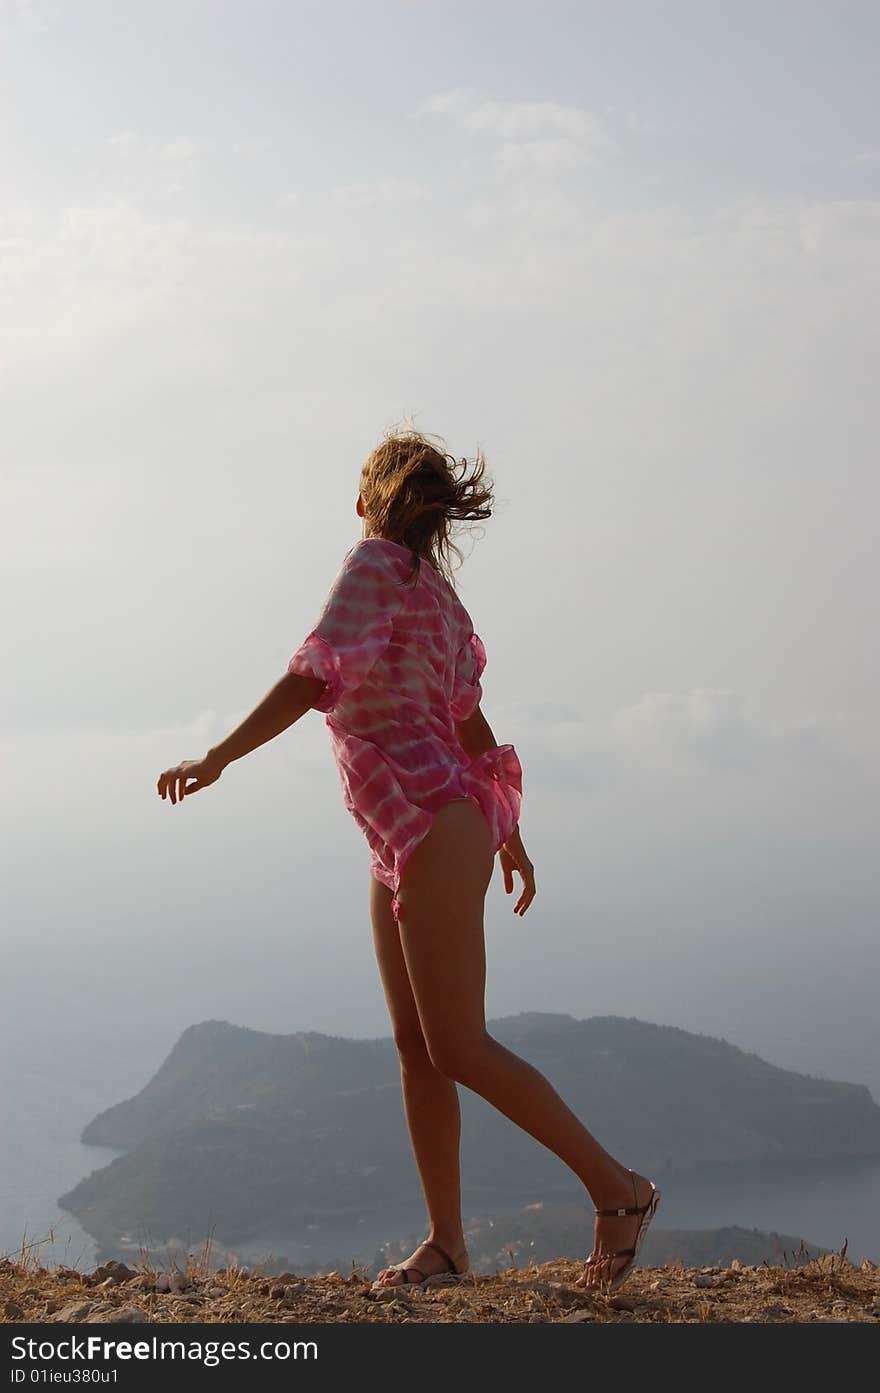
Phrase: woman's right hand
{"type": "Point", "coordinates": [513, 858]}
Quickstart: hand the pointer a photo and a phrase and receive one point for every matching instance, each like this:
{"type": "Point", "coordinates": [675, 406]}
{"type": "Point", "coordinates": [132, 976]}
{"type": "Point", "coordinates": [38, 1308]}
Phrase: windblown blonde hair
{"type": "Point", "coordinates": [414, 490]}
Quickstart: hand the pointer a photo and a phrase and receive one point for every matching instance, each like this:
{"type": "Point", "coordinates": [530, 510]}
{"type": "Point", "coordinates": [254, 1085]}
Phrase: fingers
{"type": "Point", "coordinates": [200, 773]}
{"type": "Point", "coordinates": [171, 784]}
{"type": "Point", "coordinates": [527, 873]}
{"type": "Point", "coordinates": [528, 891]}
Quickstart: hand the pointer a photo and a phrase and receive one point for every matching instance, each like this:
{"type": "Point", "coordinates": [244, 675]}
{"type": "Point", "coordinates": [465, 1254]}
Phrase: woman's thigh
{"type": "Point", "coordinates": [441, 896]}
{"type": "Point", "coordinates": [405, 1024]}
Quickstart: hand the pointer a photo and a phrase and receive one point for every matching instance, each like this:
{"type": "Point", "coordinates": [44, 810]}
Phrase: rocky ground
{"type": "Point", "coordinates": [828, 1289]}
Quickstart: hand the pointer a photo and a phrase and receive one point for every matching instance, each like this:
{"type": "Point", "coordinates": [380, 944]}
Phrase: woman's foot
{"type": "Point", "coordinates": [426, 1262]}
{"type": "Point", "coordinates": [613, 1232]}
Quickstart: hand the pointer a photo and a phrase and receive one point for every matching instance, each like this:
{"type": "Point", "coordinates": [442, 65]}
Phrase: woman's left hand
{"type": "Point", "coordinates": [174, 781]}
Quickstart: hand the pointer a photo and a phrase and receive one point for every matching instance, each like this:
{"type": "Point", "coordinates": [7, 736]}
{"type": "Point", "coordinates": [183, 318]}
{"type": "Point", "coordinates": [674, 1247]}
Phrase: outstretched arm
{"type": "Point", "coordinates": [290, 698]}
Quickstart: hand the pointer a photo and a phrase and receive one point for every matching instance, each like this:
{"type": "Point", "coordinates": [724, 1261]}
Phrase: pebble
{"type": "Point", "coordinates": [124, 1315]}
{"type": "Point", "coordinates": [623, 1303]}
{"type": "Point", "coordinates": [383, 1294]}
{"type": "Point", "coordinates": [114, 1272]}
{"type": "Point", "coordinates": [76, 1311]}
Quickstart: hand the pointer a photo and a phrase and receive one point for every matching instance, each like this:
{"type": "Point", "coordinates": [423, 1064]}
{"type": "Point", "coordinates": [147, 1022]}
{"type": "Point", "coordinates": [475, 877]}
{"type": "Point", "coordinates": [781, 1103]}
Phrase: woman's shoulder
{"type": "Point", "coordinates": [393, 559]}
{"type": "Point", "coordinates": [378, 546]}
{"type": "Point", "coordinates": [376, 553]}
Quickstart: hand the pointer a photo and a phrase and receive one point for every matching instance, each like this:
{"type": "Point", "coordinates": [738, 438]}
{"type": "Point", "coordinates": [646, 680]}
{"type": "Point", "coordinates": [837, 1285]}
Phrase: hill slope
{"type": "Point", "coordinates": [240, 1131]}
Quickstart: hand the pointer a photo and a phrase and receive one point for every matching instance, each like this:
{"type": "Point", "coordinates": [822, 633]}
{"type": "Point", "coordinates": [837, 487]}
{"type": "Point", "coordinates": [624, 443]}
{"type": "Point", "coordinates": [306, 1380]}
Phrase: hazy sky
{"type": "Point", "coordinates": [630, 251]}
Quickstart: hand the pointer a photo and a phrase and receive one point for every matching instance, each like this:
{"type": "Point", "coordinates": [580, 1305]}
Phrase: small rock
{"type": "Point", "coordinates": [573, 1318]}
{"type": "Point", "coordinates": [117, 1270]}
{"type": "Point", "coordinates": [12, 1311]}
{"type": "Point", "coordinates": [776, 1311]}
{"type": "Point", "coordinates": [163, 1282]}
{"type": "Point", "coordinates": [124, 1315]}
{"type": "Point", "coordinates": [76, 1311]}
{"type": "Point", "coordinates": [382, 1294]}
{"type": "Point", "coordinates": [178, 1281]}
{"type": "Point", "coordinates": [623, 1303]}
{"type": "Point", "coordinates": [707, 1280]}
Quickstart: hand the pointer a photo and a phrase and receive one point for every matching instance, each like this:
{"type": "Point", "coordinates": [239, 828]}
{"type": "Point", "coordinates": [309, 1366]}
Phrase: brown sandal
{"type": "Point", "coordinates": [451, 1275]}
{"type": "Point", "coordinates": [647, 1211]}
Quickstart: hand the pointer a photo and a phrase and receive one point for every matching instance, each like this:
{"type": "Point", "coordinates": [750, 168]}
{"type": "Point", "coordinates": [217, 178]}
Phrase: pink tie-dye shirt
{"type": "Point", "coordinates": [402, 665]}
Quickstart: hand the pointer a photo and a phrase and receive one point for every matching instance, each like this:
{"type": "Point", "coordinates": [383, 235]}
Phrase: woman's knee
{"type": "Point", "coordinates": [459, 1058]}
{"type": "Point", "coordinates": [411, 1045]}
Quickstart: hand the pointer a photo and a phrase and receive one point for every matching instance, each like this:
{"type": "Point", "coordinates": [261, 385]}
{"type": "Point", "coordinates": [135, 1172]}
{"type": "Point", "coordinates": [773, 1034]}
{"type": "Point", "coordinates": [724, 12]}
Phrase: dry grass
{"type": "Point", "coordinates": [830, 1288]}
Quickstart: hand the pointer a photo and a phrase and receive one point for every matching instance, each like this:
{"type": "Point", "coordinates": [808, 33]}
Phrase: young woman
{"type": "Point", "coordinates": [395, 665]}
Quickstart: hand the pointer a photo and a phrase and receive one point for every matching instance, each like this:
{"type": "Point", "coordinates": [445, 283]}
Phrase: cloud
{"type": "Point", "coordinates": [547, 155]}
{"type": "Point", "coordinates": [181, 149]}
{"type": "Point", "coordinates": [536, 136]}
{"type": "Point", "coordinates": [32, 16]}
{"type": "Point", "coordinates": [380, 191]}
{"type": "Point", "coordinates": [633, 122]}
{"type": "Point", "coordinates": [123, 139]}
{"type": "Point", "coordinates": [514, 120]}
{"type": "Point", "coordinates": [863, 157]}
{"type": "Point", "coordinates": [712, 726]}
{"type": "Point", "coordinates": [251, 145]}
{"type": "Point", "coordinates": [705, 731]}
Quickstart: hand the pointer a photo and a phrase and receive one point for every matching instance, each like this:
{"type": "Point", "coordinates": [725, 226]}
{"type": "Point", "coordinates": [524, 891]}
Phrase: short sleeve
{"type": "Point", "coordinates": [355, 625]}
{"type": "Point", "coordinates": [466, 690]}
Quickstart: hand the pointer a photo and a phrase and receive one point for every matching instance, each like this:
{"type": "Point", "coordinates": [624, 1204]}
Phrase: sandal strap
{"type": "Point", "coordinates": [633, 1209]}
{"type": "Point", "coordinates": [429, 1243]}
{"type": "Point", "coordinates": [407, 1270]}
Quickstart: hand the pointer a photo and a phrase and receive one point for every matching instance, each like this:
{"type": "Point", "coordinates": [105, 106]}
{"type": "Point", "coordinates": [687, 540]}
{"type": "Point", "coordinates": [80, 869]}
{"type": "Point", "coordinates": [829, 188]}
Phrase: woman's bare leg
{"type": "Point", "coordinates": [441, 898]}
{"type": "Point", "coordinates": [430, 1100]}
